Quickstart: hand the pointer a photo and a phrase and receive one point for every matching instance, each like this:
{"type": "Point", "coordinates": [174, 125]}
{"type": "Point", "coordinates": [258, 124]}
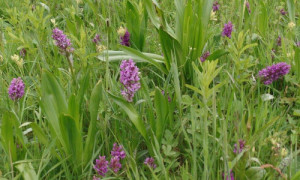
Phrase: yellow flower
{"type": "Point", "coordinates": [101, 48]}
{"type": "Point", "coordinates": [53, 22]}
{"type": "Point", "coordinates": [17, 60]}
{"type": "Point", "coordinates": [273, 141]}
{"type": "Point", "coordinates": [121, 31]}
{"type": "Point", "coordinates": [213, 16]}
{"type": "Point", "coordinates": [291, 25]}
{"type": "Point", "coordinates": [15, 57]}
{"type": "Point", "coordinates": [283, 152]}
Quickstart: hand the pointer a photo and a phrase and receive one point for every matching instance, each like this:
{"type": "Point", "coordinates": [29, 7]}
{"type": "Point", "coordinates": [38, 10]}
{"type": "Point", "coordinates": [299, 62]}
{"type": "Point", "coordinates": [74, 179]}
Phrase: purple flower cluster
{"type": "Point", "coordinates": [204, 56]}
{"type": "Point", "coordinates": [149, 161]}
{"type": "Point", "coordinates": [283, 12]}
{"type": "Point", "coordinates": [115, 165]}
{"type": "Point", "coordinates": [96, 39]}
{"type": "Point", "coordinates": [125, 39]}
{"type": "Point", "coordinates": [241, 146]}
{"type": "Point", "coordinates": [16, 89]}
{"type": "Point", "coordinates": [298, 44]}
{"type": "Point", "coordinates": [227, 177]}
{"type": "Point", "coordinates": [216, 6]}
{"type": "Point", "coordinates": [248, 7]}
{"type": "Point", "coordinates": [279, 41]}
{"type": "Point", "coordinates": [101, 166]}
{"type": "Point", "coordinates": [117, 151]}
{"type": "Point", "coordinates": [274, 72]}
{"type": "Point", "coordinates": [129, 77]}
{"type": "Point", "coordinates": [62, 41]}
{"type": "Point", "coordinates": [227, 30]}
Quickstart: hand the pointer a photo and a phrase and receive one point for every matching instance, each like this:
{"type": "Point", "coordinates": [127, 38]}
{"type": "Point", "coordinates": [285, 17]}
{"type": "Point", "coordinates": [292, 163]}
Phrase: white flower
{"type": "Point", "coordinates": [283, 152]}
{"type": "Point", "coordinates": [213, 16]}
{"type": "Point", "coordinates": [17, 60]}
{"type": "Point", "coordinates": [291, 25]}
{"type": "Point", "coordinates": [101, 48]}
{"type": "Point", "coordinates": [53, 22]}
{"type": "Point", "coordinates": [121, 31]}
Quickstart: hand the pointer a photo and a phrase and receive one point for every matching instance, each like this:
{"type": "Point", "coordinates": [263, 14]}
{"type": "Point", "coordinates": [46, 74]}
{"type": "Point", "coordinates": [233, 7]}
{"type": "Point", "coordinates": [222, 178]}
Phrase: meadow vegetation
{"type": "Point", "coordinates": [149, 89]}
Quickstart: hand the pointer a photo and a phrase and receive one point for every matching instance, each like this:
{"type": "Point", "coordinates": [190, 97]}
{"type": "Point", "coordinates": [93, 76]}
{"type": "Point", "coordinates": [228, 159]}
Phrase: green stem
{"type": "Point", "coordinates": [72, 69]}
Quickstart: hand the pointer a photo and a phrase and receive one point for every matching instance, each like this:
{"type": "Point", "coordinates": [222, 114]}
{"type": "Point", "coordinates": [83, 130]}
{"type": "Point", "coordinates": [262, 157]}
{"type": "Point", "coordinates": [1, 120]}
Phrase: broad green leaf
{"type": "Point", "coordinates": [27, 171]}
{"type": "Point", "coordinates": [73, 108]}
{"type": "Point", "coordinates": [53, 102]}
{"type": "Point", "coordinates": [161, 110]}
{"type": "Point", "coordinates": [217, 54]}
{"type": "Point", "coordinates": [39, 133]}
{"type": "Point", "coordinates": [138, 54]}
{"type": "Point", "coordinates": [72, 140]}
{"type": "Point", "coordinates": [291, 10]}
{"type": "Point", "coordinates": [132, 114]}
{"type": "Point", "coordinates": [7, 136]}
{"type": "Point", "coordinates": [95, 98]}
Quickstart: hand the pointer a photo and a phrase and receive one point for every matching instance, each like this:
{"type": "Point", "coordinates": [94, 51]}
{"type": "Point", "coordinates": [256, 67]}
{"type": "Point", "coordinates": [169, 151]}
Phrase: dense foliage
{"type": "Point", "coordinates": [149, 89]}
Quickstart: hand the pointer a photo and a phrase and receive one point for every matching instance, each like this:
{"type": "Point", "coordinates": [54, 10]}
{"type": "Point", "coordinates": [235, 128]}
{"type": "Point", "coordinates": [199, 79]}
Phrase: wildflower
{"type": "Point", "coordinates": [124, 36]}
{"type": "Point", "coordinates": [53, 21]}
{"type": "Point", "coordinates": [216, 6]}
{"type": "Point", "coordinates": [298, 44]}
{"type": "Point", "coordinates": [129, 77]}
{"type": "Point", "coordinates": [283, 152]}
{"type": "Point", "coordinates": [16, 89]}
{"type": "Point", "coordinates": [241, 144]}
{"type": "Point", "coordinates": [283, 12]}
{"type": "Point", "coordinates": [227, 177]}
{"type": "Point", "coordinates": [117, 151]}
{"type": "Point", "coordinates": [279, 41]}
{"type": "Point", "coordinates": [101, 48]}
{"type": "Point", "coordinates": [62, 41]}
{"type": "Point", "coordinates": [213, 16]}
{"type": "Point", "coordinates": [248, 7]}
{"type": "Point", "coordinates": [23, 52]}
{"type": "Point", "coordinates": [274, 72]}
{"type": "Point", "coordinates": [121, 31]}
{"type": "Point", "coordinates": [227, 30]}
{"type": "Point", "coordinates": [17, 60]}
{"type": "Point", "coordinates": [150, 162]}
{"type": "Point", "coordinates": [204, 56]}
{"type": "Point", "coordinates": [96, 39]}
{"type": "Point", "coordinates": [291, 25]}
{"type": "Point", "coordinates": [101, 166]}
{"type": "Point", "coordinates": [115, 164]}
